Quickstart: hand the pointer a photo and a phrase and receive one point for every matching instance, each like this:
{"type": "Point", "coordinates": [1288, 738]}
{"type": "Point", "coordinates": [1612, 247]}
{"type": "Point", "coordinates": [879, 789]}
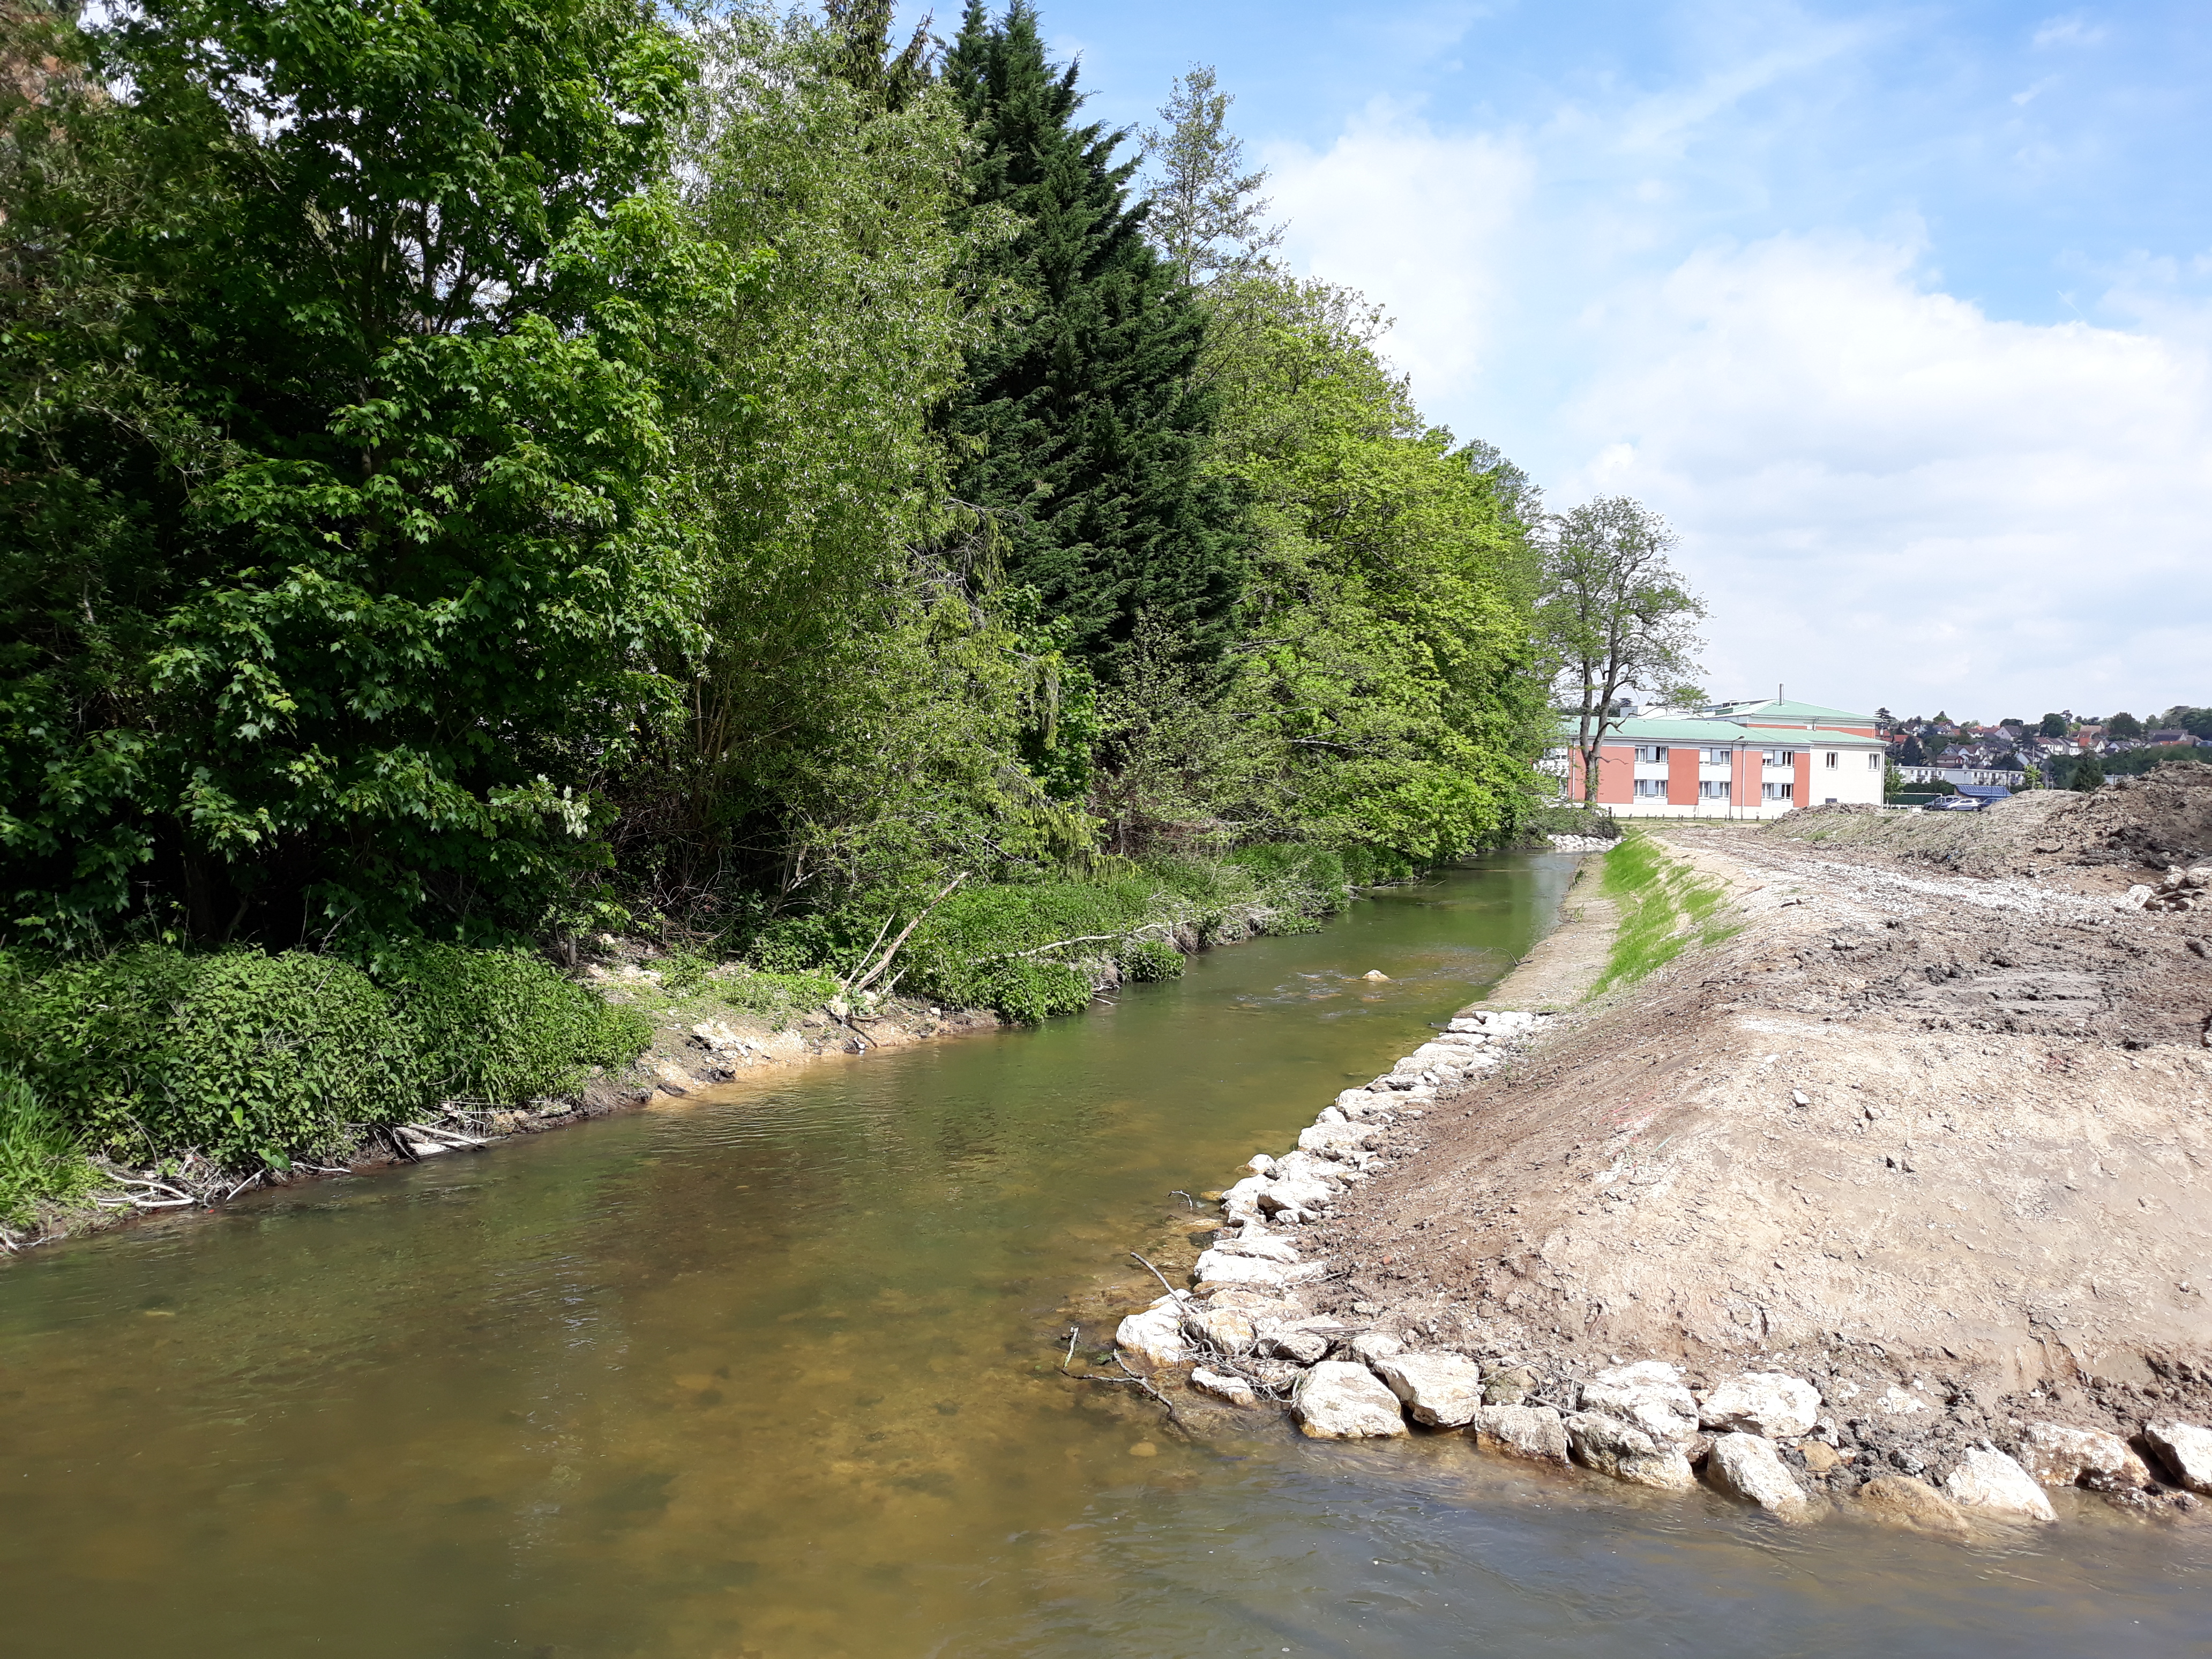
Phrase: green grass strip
{"type": "Point", "coordinates": [1665, 907]}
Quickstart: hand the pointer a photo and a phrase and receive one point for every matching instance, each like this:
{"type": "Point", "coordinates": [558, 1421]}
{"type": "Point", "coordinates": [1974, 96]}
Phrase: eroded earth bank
{"type": "Point", "coordinates": [1889, 1192]}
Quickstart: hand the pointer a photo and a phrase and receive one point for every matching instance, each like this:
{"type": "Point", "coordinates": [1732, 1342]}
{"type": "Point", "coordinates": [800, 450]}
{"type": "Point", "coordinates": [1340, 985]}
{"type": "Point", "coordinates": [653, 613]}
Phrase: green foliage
{"type": "Point", "coordinates": [1664, 908]}
{"type": "Point", "coordinates": [2137, 761]}
{"type": "Point", "coordinates": [1082, 427]}
{"type": "Point", "coordinates": [339, 525]}
{"type": "Point", "coordinates": [40, 1161]}
{"type": "Point", "coordinates": [1014, 947]}
{"type": "Point", "coordinates": [496, 1027]}
{"type": "Point", "coordinates": [2087, 774]}
{"type": "Point", "coordinates": [776, 997]}
{"type": "Point", "coordinates": [253, 1058]}
{"type": "Point", "coordinates": [1387, 698]}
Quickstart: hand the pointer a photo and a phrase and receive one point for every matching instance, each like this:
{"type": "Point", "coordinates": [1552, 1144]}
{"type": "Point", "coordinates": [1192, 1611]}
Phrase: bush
{"type": "Point", "coordinates": [39, 1159]}
{"type": "Point", "coordinates": [251, 1059]}
{"type": "Point", "coordinates": [501, 1025]}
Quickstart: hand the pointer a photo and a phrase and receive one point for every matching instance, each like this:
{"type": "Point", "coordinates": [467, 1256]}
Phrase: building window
{"type": "Point", "coordinates": [1779, 757]}
{"type": "Point", "coordinates": [1651, 789]}
{"type": "Point", "coordinates": [1777, 791]}
{"type": "Point", "coordinates": [1714, 756]}
{"type": "Point", "coordinates": [1835, 759]}
{"type": "Point", "coordinates": [1716, 790]}
{"type": "Point", "coordinates": [1651, 754]}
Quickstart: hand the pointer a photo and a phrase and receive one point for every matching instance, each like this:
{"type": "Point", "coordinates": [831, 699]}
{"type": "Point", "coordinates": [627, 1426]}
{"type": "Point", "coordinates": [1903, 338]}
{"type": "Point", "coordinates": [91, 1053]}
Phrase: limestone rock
{"type": "Point", "coordinates": [1531, 1431]}
{"type": "Point", "coordinates": [1338, 1140]}
{"type": "Point", "coordinates": [716, 1036]}
{"type": "Point", "coordinates": [1303, 1347]}
{"type": "Point", "coordinates": [1337, 1401]}
{"type": "Point", "coordinates": [1242, 1202]}
{"type": "Point", "coordinates": [1647, 1395]}
{"type": "Point", "coordinates": [1261, 1164]}
{"type": "Point", "coordinates": [1508, 1387]}
{"type": "Point", "coordinates": [1234, 1390]}
{"type": "Point", "coordinates": [1305, 1197]}
{"type": "Point", "coordinates": [1614, 1447]}
{"type": "Point", "coordinates": [1442, 1390]}
{"type": "Point", "coordinates": [1901, 1499]}
{"type": "Point", "coordinates": [1371, 1347]}
{"type": "Point", "coordinates": [1229, 1329]}
{"type": "Point", "coordinates": [1767, 1403]}
{"type": "Point", "coordinates": [2187, 1451]}
{"type": "Point", "coordinates": [1990, 1480]}
{"type": "Point", "coordinates": [2058, 1455]}
{"type": "Point", "coordinates": [1153, 1341]}
{"type": "Point", "coordinates": [1747, 1466]}
{"type": "Point", "coordinates": [1266, 1247]}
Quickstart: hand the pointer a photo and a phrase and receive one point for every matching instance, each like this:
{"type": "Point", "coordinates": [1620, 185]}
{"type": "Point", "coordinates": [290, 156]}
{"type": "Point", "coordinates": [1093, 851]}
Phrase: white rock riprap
{"type": "Point", "coordinates": [1747, 1465]}
{"type": "Point", "coordinates": [1152, 1340]}
{"type": "Point", "coordinates": [1988, 1482]}
{"type": "Point", "coordinates": [1613, 1447]}
{"type": "Point", "coordinates": [1442, 1390]}
{"type": "Point", "coordinates": [1650, 1395]}
{"type": "Point", "coordinates": [1221, 1386]}
{"type": "Point", "coordinates": [1535, 1432]}
{"type": "Point", "coordinates": [2058, 1455]}
{"type": "Point", "coordinates": [1765, 1403]}
{"type": "Point", "coordinates": [2186, 1449]}
{"type": "Point", "coordinates": [1339, 1401]}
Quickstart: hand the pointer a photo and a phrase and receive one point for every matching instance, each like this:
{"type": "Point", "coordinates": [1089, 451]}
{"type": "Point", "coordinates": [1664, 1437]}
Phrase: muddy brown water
{"type": "Point", "coordinates": [774, 1373]}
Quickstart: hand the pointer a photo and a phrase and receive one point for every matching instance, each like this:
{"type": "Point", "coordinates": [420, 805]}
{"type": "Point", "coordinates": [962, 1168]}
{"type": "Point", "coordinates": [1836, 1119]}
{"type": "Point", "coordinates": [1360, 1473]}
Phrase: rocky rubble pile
{"type": "Point", "coordinates": [1787, 1444]}
{"type": "Point", "coordinates": [2178, 890]}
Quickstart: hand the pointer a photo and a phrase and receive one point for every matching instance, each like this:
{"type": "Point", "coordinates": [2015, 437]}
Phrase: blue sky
{"type": "Point", "coordinates": [1901, 314]}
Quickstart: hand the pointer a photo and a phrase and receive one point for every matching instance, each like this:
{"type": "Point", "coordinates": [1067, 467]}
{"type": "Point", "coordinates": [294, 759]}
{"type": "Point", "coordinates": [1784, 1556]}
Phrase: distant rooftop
{"type": "Point", "coordinates": [1777, 708]}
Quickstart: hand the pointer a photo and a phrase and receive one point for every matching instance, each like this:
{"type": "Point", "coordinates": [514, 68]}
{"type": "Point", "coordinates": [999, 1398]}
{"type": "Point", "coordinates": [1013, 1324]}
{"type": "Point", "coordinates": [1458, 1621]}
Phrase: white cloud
{"type": "Point", "coordinates": [1416, 220]}
{"type": "Point", "coordinates": [2074, 30]}
{"type": "Point", "coordinates": [1888, 496]}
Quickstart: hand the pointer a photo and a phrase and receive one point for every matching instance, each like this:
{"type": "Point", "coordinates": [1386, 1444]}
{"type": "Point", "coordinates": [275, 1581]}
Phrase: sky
{"type": "Point", "coordinates": [1901, 315]}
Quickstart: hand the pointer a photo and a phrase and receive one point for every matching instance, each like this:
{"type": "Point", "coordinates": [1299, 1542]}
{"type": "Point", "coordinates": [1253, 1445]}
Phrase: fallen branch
{"type": "Point", "coordinates": [1180, 1296]}
{"type": "Point", "coordinates": [1065, 1363]}
{"type": "Point", "coordinates": [905, 932]}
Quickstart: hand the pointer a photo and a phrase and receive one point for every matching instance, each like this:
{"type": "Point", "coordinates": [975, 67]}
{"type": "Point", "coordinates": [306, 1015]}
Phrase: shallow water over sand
{"type": "Point", "coordinates": [776, 1373]}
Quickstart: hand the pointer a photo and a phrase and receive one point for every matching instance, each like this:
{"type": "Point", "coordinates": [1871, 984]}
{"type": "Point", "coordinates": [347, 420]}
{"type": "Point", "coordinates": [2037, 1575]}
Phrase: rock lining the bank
{"type": "Point", "coordinates": [1249, 1336]}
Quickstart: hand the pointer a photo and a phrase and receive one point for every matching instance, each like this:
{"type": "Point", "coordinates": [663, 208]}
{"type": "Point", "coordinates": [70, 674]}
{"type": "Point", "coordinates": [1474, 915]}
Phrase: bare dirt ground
{"type": "Point", "coordinates": [1933, 1130]}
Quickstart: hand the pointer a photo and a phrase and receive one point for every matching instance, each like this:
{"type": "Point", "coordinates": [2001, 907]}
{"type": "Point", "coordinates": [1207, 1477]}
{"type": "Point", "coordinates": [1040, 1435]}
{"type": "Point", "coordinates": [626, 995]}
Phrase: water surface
{"type": "Point", "coordinates": [774, 1373]}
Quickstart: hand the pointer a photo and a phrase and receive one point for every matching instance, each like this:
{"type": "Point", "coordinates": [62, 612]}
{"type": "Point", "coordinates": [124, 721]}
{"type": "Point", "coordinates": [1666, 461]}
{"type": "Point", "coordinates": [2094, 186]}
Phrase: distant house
{"type": "Point", "coordinates": [2168, 735]}
{"type": "Point", "coordinates": [1755, 759]}
{"type": "Point", "coordinates": [1964, 778]}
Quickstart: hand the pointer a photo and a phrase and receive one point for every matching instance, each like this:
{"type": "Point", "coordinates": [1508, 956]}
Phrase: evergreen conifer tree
{"type": "Point", "coordinates": [1082, 424]}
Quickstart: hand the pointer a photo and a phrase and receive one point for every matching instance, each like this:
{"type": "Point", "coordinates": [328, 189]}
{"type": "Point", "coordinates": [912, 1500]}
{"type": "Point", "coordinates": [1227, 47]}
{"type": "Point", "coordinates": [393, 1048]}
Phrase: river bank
{"type": "Point", "coordinates": [118, 1042]}
{"type": "Point", "coordinates": [1891, 1169]}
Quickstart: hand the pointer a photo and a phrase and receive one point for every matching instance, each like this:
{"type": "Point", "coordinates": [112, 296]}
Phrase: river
{"type": "Point", "coordinates": [773, 1374]}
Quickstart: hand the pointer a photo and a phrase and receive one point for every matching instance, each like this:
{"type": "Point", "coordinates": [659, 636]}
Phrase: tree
{"type": "Point", "coordinates": [1892, 781]}
{"type": "Point", "coordinates": [2124, 725]}
{"type": "Point", "coordinates": [1614, 614]}
{"type": "Point", "coordinates": [1082, 429]}
{"type": "Point", "coordinates": [2088, 775]}
{"type": "Point", "coordinates": [1912, 754]}
{"type": "Point", "coordinates": [2051, 725]}
{"type": "Point", "coordinates": [1207, 219]}
{"type": "Point", "coordinates": [340, 540]}
{"type": "Point", "coordinates": [1384, 690]}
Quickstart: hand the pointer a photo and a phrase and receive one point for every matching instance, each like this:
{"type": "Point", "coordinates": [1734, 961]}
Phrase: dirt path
{"type": "Point", "coordinates": [1940, 1142]}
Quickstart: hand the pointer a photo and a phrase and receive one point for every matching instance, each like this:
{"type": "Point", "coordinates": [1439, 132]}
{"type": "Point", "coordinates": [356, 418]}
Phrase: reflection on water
{"type": "Point", "coordinates": [777, 1373]}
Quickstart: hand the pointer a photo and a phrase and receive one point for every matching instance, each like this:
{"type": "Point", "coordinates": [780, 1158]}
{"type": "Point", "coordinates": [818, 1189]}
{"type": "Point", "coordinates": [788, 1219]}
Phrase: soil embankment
{"type": "Point", "coordinates": [1930, 1128]}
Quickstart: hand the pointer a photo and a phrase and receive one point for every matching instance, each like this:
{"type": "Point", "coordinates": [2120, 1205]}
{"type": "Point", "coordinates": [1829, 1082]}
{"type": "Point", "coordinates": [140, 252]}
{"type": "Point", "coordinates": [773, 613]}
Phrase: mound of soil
{"type": "Point", "coordinates": [2160, 820]}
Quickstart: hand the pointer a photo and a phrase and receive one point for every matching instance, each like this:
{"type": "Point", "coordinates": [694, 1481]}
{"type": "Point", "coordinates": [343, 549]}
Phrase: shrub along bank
{"type": "Point", "coordinates": [253, 1060]}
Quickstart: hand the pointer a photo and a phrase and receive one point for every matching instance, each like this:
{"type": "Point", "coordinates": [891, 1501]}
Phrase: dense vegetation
{"type": "Point", "coordinates": [474, 474]}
